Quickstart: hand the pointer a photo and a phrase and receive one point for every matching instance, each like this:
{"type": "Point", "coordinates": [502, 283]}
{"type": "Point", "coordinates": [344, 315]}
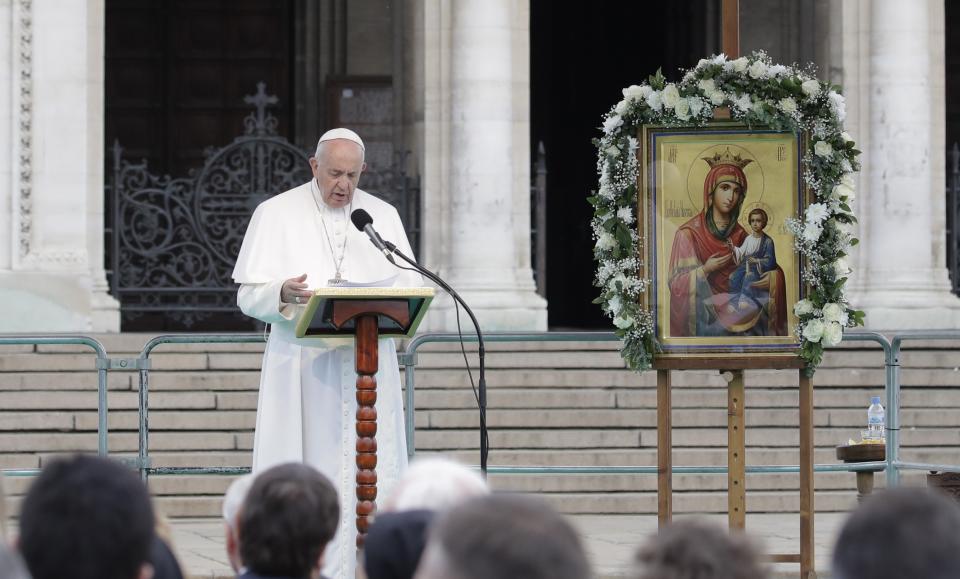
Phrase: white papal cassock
{"type": "Point", "coordinates": [307, 403]}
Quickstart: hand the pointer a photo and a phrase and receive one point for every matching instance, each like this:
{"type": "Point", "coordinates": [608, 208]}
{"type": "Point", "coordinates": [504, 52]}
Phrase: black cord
{"type": "Point", "coordinates": [481, 406]}
{"type": "Point", "coordinates": [479, 393]}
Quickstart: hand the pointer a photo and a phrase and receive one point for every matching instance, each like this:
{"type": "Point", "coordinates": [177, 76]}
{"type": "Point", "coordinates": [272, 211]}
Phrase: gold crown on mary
{"type": "Point", "coordinates": [727, 158]}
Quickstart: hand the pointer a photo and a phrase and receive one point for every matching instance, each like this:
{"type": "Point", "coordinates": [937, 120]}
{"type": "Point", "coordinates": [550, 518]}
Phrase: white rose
{"type": "Point", "coordinates": [615, 305]}
{"type": "Point", "coordinates": [848, 180]}
{"type": "Point", "coordinates": [702, 62]}
{"type": "Point", "coordinates": [833, 312]}
{"type": "Point", "coordinates": [811, 232]}
{"type": "Point", "coordinates": [740, 64]}
{"type": "Point", "coordinates": [612, 151]}
{"type": "Point", "coordinates": [637, 92]}
{"type": "Point", "coordinates": [696, 105]}
{"type": "Point", "coordinates": [622, 323]}
{"type": "Point", "coordinates": [803, 307]}
{"type": "Point", "coordinates": [606, 241]}
{"type": "Point", "coordinates": [816, 213]}
{"type": "Point", "coordinates": [811, 88]}
{"type": "Point", "coordinates": [654, 101]}
{"type": "Point", "coordinates": [840, 192]}
{"type": "Point", "coordinates": [846, 137]}
{"type": "Point", "coordinates": [832, 334]}
{"type": "Point", "coordinates": [621, 107]}
{"type": "Point", "coordinates": [612, 123]}
{"type": "Point", "coordinates": [707, 86]}
{"type": "Point", "coordinates": [717, 97]}
{"type": "Point", "coordinates": [758, 69]}
{"type": "Point", "coordinates": [840, 267]}
{"type": "Point", "coordinates": [682, 108]}
{"type": "Point", "coordinates": [788, 105]}
{"type": "Point", "coordinates": [671, 96]}
{"type": "Point", "coordinates": [813, 331]}
{"type": "Point", "coordinates": [823, 149]}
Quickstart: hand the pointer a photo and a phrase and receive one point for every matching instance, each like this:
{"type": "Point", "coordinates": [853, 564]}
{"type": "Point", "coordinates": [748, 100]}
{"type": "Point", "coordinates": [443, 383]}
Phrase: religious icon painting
{"type": "Point", "coordinates": [724, 272]}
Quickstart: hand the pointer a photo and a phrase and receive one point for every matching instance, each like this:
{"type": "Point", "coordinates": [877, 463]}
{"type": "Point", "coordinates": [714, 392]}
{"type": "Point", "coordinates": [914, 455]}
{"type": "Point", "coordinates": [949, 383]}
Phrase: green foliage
{"type": "Point", "coordinates": [754, 89]}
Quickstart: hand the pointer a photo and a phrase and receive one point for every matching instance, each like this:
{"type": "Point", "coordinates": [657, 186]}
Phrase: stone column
{"type": "Point", "coordinates": [905, 278]}
{"type": "Point", "coordinates": [51, 262]}
{"type": "Point", "coordinates": [485, 254]}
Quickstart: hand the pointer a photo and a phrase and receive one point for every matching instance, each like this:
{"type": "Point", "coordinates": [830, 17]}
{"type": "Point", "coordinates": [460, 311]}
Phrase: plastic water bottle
{"type": "Point", "coordinates": [875, 421]}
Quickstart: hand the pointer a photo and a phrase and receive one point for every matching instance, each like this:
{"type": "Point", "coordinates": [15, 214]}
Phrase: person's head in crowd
{"type": "Point", "coordinates": [697, 550]}
{"type": "Point", "coordinates": [232, 501]}
{"type": "Point", "coordinates": [395, 543]}
{"type": "Point", "coordinates": [288, 517]}
{"type": "Point", "coordinates": [500, 537]}
{"type": "Point", "coordinates": [900, 533]}
{"type": "Point", "coordinates": [398, 535]}
{"type": "Point", "coordinates": [11, 565]}
{"type": "Point", "coordinates": [164, 561]}
{"type": "Point", "coordinates": [434, 483]}
{"type": "Point", "coordinates": [87, 517]}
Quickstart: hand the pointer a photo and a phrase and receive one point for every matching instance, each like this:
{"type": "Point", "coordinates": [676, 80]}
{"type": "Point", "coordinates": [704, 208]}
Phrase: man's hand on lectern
{"type": "Point", "coordinates": [294, 290]}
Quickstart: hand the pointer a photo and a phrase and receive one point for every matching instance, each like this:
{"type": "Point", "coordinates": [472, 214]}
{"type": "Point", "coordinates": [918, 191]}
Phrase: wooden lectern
{"type": "Point", "coordinates": [365, 313]}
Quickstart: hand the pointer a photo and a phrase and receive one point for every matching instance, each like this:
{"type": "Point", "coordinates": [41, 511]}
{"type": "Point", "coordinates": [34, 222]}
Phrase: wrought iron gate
{"type": "Point", "coordinates": [173, 242]}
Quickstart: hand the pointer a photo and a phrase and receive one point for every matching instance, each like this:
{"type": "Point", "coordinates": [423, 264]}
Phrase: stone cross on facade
{"type": "Point", "coordinates": [261, 123]}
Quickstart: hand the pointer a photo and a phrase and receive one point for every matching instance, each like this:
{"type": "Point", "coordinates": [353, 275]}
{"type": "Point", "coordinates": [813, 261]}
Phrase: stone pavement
{"type": "Point", "coordinates": [610, 541]}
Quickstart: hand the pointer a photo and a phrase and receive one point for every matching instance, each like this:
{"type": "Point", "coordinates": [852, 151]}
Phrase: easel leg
{"type": "Point", "coordinates": [664, 449]}
{"type": "Point", "coordinates": [736, 451]}
{"type": "Point", "coordinates": [807, 570]}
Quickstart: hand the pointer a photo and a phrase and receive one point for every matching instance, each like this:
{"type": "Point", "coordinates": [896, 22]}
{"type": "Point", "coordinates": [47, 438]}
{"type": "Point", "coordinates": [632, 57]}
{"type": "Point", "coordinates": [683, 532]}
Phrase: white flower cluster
{"type": "Point", "coordinates": [826, 324]}
{"type": "Point", "coordinates": [758, 92]}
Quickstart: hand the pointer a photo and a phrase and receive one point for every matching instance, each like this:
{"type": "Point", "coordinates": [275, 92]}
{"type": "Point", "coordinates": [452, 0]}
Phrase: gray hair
{"type": "Point", "coordinates": [234, 497]}
{"type": "Point", "coordinates": [435, 483]}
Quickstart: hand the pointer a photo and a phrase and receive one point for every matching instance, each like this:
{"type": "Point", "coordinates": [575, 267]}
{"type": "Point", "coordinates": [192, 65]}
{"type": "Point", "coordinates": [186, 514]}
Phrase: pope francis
{"type": "Point", "coordinates": [297, 241]}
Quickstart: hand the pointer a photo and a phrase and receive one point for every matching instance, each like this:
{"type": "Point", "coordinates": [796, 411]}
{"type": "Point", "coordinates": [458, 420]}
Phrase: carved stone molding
{"type": "Point", "coordinates": [23, 109]}
{"type": "Point", "coordinates": [27, 255]}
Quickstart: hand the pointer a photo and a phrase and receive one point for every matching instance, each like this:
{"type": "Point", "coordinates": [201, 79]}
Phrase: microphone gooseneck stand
{"type": "Point", "coordinates": [482, 387]}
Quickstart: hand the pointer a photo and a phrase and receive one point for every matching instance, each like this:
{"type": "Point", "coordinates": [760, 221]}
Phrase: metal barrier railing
{"type": "Point", "coordinates": [102, 365]}
{"type": "Point", "coordinates": [895, 465]}
{"type": "Point", "coordinates": [143, 447]}
{"type": "Point", "coordinates": [408, 359]}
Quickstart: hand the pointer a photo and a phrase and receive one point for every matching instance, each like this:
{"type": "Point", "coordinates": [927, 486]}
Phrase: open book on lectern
{"type": "Point", "coordinates": [327, 313]}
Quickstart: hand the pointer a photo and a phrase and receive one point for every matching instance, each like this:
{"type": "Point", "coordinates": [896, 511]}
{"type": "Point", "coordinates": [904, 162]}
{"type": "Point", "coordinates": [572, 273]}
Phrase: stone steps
{"type": "Point", "coordinates": [552, 404]}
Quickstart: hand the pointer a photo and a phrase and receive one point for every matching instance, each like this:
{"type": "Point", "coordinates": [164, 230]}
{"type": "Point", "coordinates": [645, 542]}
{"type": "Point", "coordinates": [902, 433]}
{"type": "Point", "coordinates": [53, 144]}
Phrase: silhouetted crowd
{"type": "Point", "coordinates": [86, 517]}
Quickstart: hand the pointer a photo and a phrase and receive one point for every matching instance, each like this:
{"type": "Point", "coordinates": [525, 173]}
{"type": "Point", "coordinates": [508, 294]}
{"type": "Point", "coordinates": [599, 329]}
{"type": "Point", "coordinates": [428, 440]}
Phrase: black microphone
{"type": "Point", "coordinates": [362, 221]}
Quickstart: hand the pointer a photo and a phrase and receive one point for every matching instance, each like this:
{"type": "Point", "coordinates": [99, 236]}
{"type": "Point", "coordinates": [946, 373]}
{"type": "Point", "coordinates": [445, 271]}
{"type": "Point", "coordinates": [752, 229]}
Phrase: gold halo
{"type": "Point", "coordinates": [756, 181]}
{"type": "Point", "coordinates": [745, 215]}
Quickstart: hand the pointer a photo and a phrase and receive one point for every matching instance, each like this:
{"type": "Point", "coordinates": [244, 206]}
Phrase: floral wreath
{"type": "Point", "coordinates": [758, 93]}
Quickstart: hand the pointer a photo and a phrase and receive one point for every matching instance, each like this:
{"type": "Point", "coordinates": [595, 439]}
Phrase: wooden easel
{"type": "Point", "coordinates": [732, 369]}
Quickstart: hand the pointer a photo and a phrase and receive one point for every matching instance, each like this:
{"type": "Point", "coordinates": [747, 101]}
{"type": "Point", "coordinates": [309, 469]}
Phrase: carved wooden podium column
{"type": "Point", "coordinates": [365, 313]}
{"type": "Point", "coordinates": [367, 364]}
